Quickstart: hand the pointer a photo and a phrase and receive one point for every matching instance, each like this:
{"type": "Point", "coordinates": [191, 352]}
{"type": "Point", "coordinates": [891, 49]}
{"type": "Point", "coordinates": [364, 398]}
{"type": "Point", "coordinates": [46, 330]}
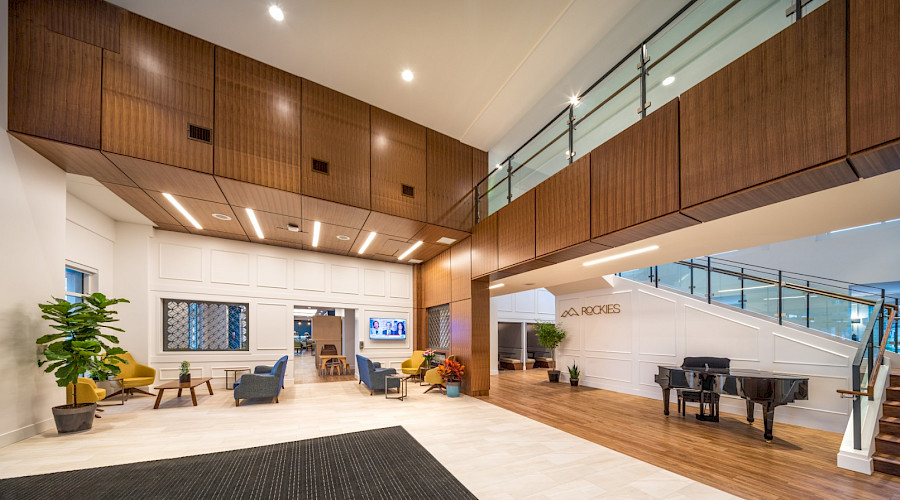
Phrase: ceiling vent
{"type": "Point", "coordinates": [200, 134]}
{"type": "Point", "coordinates": [409, 191]}
{"type": "Point", "coordinates": [320, 166]}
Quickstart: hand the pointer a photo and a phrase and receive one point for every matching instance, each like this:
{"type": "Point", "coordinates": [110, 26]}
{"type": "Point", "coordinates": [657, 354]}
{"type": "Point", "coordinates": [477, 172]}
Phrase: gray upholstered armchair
{"type": "Point", "coordinates": [372, 374]}
{"type": "Point", "coordinates": [264, 382]}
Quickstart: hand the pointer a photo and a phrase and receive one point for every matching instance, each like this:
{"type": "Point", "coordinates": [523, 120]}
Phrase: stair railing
{"type": "Point", "coordinates": [866, 350]}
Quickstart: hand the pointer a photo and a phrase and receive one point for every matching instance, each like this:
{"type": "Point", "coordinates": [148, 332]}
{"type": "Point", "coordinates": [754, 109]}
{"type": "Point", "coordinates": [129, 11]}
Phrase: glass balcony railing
{"type": "Point", "coordinates": [829, 306]}
{"type": "Point", "coordinates": [702, 38]}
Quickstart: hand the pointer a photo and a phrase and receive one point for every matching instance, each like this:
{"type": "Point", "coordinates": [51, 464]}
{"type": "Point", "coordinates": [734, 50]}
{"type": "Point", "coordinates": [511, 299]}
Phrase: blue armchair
{"type": "Point", "coordinates": [264, 382]}
{"type": "Point", "coordinates": [372, 374]}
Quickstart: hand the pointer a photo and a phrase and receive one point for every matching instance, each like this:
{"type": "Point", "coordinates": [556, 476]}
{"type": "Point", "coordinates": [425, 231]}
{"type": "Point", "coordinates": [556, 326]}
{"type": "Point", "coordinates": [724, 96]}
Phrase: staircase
{"type": "Point", "coordinates": [887, 443]}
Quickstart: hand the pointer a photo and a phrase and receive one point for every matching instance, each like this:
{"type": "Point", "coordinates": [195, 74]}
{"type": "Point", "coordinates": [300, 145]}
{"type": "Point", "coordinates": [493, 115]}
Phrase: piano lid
{"type": "Point", "coordinates": [736, 373]}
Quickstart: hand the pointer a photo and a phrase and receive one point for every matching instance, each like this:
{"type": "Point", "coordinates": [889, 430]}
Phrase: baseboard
{"type": "Point", "coordinates": [26, 432]}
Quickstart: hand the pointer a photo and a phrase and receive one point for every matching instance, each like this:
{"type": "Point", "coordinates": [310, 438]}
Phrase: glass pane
{"type": "Point", "coordinates": [795, 305]}
{"type": "Point", "coordinates": [681, 56]}
{"type": "Point", "coordinates": [641, 275]}
{"type": "Point", "coordinates": [494, 190]}
{"type": "Point", "coordinates": [761, 297]}
{"type": "Point", "coordinates": [542, 157]}
{"type": "Point", "coordinates": [608, 109]}
{"type": "Point", "coordinates": [727, 289]}
{"type": "Point", "coordinates": [676, 276]}
{"type": "Point", "coordinates": [699, 275]}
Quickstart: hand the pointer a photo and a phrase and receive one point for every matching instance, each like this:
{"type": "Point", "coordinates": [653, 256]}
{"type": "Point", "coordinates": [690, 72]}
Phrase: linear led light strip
{"type": "Point", "coordinates": [498, 285]}
{"type": "Point", "coordinates": [255, 223]}
{"type": "Point", "coordinates": [317, 228]}
{"type": "Point", "coordinates": [368, 241]}
{"type": "Point", "coordinates": [621, 255]}
{"type": "Point", "coordinates": [410, 250]}
{"type": "Point", "coordinates": [181, 209]}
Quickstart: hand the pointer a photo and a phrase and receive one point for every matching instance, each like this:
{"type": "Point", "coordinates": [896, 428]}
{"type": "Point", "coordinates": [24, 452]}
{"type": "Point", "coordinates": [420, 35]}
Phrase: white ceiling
{"type": "Point", "coordinates": [479, 65]}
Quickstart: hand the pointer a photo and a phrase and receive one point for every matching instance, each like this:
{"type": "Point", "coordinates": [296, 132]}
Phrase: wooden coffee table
{"type": "Point", "coordinates": [174, 384]}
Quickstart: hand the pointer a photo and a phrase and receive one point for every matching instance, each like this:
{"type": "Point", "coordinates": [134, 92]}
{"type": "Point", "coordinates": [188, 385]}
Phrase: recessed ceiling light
{"type": "Point", "coordinates": [407, 75]}
{"type": "Point", "coordinates": [317, 228]}
{"type": "Point", "coordinates": [294, 228]}
{"type": "Point", "coordinates": [446, 241]}
{"type": "Point", "coordinates": [621, 255]}
{"type": "Point", "coordinates": [415, 261]}
{"type": "Point", "coordinates": [366, 244]}
{"type": "Point", "coordinates": [668, 81]}
{"type": "Point", "coordinates": [181, 209]}
{"type": "Point", "coordinates": [343, 237]}
{"type": "Point", "coordinates": [574, 100]}
{"type": "Point", "coordinates": [259, 233]}
{"type": "Point", "coordinates": [410, 250]}
{"type": "Point", "coordinates": [276, 13]}
{"type": "Point", "coordinates": [221, 216]}
{"type": "Point", "coordinates": [498, 285]}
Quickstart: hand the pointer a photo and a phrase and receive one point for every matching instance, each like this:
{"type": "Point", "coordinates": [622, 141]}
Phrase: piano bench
{"type": "Point", "coordinates": [694, 396]}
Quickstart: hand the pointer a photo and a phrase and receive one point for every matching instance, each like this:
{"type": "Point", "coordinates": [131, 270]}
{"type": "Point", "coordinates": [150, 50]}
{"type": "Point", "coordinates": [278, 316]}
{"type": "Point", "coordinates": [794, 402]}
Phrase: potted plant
{"type": "Point", "coordinates": [574, 374]}
{"type": "Point", "coordinates": [79, 346]}
{"type": "Point", "coordinates": [184, 373]}
{"type": "Point", "coordinates": [452, 372]}
{"type": "Point", "coordinates": [550, 335]}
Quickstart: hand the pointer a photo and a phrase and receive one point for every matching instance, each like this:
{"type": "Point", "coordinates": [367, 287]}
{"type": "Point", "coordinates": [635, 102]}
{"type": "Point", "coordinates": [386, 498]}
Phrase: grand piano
{"type": "Point", "coordinates": [767, 389]}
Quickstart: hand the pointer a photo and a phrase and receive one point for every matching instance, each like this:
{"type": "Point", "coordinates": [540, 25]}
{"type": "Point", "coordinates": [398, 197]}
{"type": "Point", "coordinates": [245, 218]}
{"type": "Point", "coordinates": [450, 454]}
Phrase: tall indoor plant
{"type": "Point", "coordinates": [550, 335]}
{"type": "Point", "coordinates": [79, 346]}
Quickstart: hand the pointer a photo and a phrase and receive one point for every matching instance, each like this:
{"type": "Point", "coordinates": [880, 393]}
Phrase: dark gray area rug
{"type": "Point", "coordinates": [377, 464]}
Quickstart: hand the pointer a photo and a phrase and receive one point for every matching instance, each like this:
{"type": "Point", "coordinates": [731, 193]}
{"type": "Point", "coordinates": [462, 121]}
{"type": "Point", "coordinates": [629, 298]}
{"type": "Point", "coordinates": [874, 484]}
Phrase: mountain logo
{"type": "Point", "coordinates": [569, 312]}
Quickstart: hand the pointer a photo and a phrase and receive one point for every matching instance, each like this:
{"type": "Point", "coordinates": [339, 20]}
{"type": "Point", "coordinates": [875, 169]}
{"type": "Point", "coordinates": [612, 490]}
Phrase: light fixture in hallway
{"type": "Point", "coordinates": [276, 13]}
{"type": "Point", "coordinates": [317, 228]}
{"type": "Point", "coordinates": [621, 255]}
{"type": "Point", "coordinates": [259, 233]}
{"type": "Point", "coordinates": [498, 285]}
{"type": "Point", "coordinates": [407, 75]}
{"type": "Point", "coordinates": [410, 250]}
{"type": "Point", "coordinates": [366, 243]}
{"type": "Point", "coordinates": [181, 209]}
{"type": "Point", "coordinates": [669, 80]}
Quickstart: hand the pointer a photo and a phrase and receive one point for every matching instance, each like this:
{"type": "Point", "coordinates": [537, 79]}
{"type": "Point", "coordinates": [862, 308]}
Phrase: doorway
{"type": "Point", "coordinates": [323, 344]}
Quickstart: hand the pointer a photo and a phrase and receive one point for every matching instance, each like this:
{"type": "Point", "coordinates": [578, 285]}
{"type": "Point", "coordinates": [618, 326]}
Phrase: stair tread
{"type": "Point", "coordinates": [892, 403]}
{"type": "Point", "coordinates": [886, 457]}
{"type": "Point", "coordinates": [888, 437]}
{"type": "Point", "coordinates": [891, 420]}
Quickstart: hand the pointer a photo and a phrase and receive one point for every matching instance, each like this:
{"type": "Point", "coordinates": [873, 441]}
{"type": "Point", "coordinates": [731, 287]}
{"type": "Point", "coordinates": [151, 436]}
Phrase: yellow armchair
{"type": "Point", "coordinates": [86, 391]}
{"type": "Point", "coordinates": [434, 378]}
{"type": "Point", "coordinates": [411, 366]}
{"type": "Point", "coordinates": [135, 375]}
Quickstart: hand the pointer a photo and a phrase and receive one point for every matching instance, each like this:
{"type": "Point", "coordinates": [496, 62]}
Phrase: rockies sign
{"type": "Point", "coordinates": [592, 310]}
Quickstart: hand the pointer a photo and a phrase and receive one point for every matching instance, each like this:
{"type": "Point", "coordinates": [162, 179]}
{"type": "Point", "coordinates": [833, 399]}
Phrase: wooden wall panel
{"type": "Point", "coordinates": [398, 158]}
{"type": "Point", "coordinates": [461, 339]}
{"type": "Point", "coordinates": [776, 110]}
{"type": "Point", "coordinates": [515, 231]}
{"type": "Point", "coordinates": [76, 159]}
{"type": "Point", "coordinates": [874, 93]}
{"type": "Point", "coordinates": [146, 205]}
{"type": "Point", "coordinates": [335, 130]}
{"type": "Point", "coordinates": [461, 270]}
{"type": "Point", "coordinates": [153, 176]}
{"type": "Point", "coordinates": [634, 175]}
{"type": "Point", "coordinates": [257, 122]}
{"type": "Point", "coordinates": [449, 197]}
{"type": "Point", "coordinates": [563, 208]}
{"type": "Point", "coordinates": [95, 22]}
{"type": "Point", "coordinates": [161, 82]}
{"type": "Point", "coordinates": [244, 194]}
{"type": "Point", "coordinates": [54, 85]}
{"type": "Point", "coordinates": [484, 247]}
{"type": "Point", "coordinates": [480, 362]}
{"type": "Point", "coordinates": [436, 278]}
{"type": "Point", "coordinates": [480, 168]}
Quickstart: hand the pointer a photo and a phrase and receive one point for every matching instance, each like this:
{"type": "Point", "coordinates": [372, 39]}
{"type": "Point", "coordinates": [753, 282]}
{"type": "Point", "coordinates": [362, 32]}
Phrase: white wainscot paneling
{"type": "Point", "coordinates": [823, 395]}
{"type": "Point", "coordinates": [309, 275]}
{"type": "Point", "coordinates": [373, 281]}
{"type": "Point", "coordinates": [546, 302]}
{"type": "Point", "coordinates": [173, 373]}
{"type": "Point", "coordinates": [656, 324]}
{"type": "Point", "coordinates": [271, 272]}
{"type": "Point", "coordinates": [618, 370]}
{"type": "Point", "coordinates": [273, 326]}
{"type": "Point", "coordinates": [178, 262]}
{"type": "Point", "coordinates": [797, 352]}
{"type": "Point", "coordinates": [344, 279]}
{"type": "Point", "coordinates": [232, 268]}
{"type": "Point", "coordinates": [525, 301]}
{"type": "Point", "coordinates": [504, 302]}
{"type": "Point", "coordinates": [648, 369]}
{"type": "Point", "coordinates": [608, 332]}
{"type": "Point", "coordinates": [571, 324]}
{"type": "Point", "coordinates": [709, 334]}
{"type": "Point", "coordinates": [400, 286]}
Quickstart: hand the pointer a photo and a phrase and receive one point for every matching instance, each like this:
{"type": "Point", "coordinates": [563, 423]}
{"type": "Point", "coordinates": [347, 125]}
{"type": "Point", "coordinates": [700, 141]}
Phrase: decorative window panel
{"type": "Point", "coordinates": [439, 327]}
{"type": "Point", "coordinates": [194, 325]}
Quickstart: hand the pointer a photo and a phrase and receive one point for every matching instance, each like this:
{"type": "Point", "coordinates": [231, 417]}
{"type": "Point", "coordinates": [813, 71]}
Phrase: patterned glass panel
{"type": "Point", "coordinates": [193, 325]}
{"type": "Point", "coordinates": [439, 327]}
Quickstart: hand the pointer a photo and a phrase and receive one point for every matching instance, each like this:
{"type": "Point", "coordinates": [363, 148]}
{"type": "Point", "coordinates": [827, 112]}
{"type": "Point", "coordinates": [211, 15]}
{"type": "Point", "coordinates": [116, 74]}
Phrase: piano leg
{"type": "Point", "coordinates": [750, 407]}
{"type": "Point", "coordinates": [768, 420]}
{"type": "Point", "coordinates": [666, 392]}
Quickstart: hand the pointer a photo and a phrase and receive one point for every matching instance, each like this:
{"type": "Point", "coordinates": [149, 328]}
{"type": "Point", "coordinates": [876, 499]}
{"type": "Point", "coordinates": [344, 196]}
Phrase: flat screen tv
{"type": "Point", "coordinates": [387, 329]}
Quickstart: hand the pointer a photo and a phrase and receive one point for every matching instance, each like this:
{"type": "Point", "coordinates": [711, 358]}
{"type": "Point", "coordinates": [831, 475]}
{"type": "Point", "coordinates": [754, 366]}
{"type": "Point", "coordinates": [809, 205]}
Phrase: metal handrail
{"type": "Point", "coordinates": [878, 361]}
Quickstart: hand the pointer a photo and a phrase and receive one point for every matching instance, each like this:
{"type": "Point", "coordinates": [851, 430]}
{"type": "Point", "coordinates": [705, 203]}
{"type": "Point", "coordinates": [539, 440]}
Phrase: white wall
{"type": "Point", "coordinates": [528, 306]}
{"type": "Point", "coordinates": [271, 279]}
{"type": "Point", "coordinates": [621, 352]}
{"type": "Point", "coordinates": [90, 243]}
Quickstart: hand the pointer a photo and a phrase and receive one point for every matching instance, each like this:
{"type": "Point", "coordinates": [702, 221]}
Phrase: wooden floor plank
{"type": "Point", "coordinates": [730, 455]}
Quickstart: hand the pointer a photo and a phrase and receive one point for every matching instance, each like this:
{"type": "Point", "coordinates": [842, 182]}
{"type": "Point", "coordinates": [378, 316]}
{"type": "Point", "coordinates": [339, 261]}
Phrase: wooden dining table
{"type": "Point", "coordinates": [325, 358]}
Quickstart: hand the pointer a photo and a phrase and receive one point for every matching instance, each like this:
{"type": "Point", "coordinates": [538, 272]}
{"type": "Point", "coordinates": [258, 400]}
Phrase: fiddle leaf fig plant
{"type": "Point", "coordinates": [78, 344]}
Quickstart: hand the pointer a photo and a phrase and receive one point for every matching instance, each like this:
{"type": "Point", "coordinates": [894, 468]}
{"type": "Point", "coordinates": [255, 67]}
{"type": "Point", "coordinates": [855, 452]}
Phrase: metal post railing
{"type": "Point", "coordinates": [780, 299]}
{"type": "Point", "coordinates": [709, 293]}
{"type": "Point", "coordinates": [571, 151]}
{"type": "Point", "coordinates": [509, 171]}
{"type": "Point", "coordinates": [808, 295]}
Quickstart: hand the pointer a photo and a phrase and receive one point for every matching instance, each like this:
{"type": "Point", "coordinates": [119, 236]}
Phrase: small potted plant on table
{"type": "Point", "coordinates": [79, 346]}
{"type": "Point", "coordinates": [452, 372]}
{"type": "Point", "coordinates": [550, 335]}
{"type": "Point", "coordinates": [574, 374]}
{"type": "Point", "coordinates": [184, 373]}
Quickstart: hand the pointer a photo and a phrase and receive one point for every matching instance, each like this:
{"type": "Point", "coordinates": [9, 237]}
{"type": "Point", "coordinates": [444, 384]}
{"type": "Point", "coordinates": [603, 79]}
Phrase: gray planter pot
{"type": "Point", "coordinates": [573, 382]}
{"type": "Point", "coordinates": [553, 375]}
{"type": "Point", "coordinates": [74, 419]}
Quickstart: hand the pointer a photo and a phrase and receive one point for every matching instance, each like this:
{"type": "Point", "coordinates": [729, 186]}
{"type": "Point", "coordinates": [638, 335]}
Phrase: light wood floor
{"type": "Point", "coordinates": [305, 371]}
{"type": "Point", "coordinates": [730, 455]}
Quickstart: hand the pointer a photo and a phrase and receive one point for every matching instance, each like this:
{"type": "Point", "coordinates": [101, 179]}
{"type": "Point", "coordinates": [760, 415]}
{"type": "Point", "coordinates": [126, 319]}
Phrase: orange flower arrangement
{"type": "Point", "coordinates": [451, 371]}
